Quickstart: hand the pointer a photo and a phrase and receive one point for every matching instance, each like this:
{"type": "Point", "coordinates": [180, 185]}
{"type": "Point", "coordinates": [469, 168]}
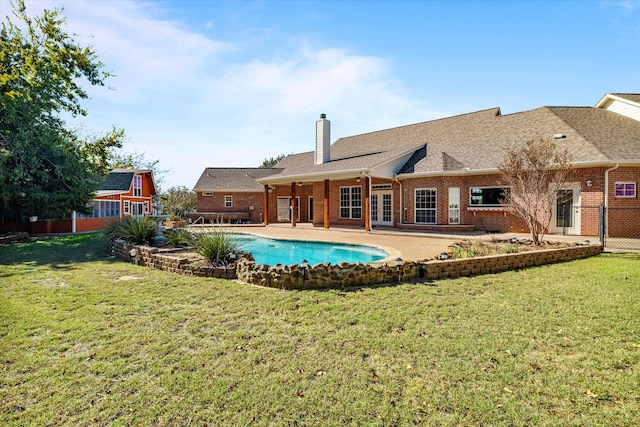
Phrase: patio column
{"type": "Point", "coordinates": [367, 205]}
{"type": "Point", "coordinates": [326, 204]}
{"type": "Point", "coordinates": [265, 210]}
{"type": "Point", "coordinates": [293, 204]}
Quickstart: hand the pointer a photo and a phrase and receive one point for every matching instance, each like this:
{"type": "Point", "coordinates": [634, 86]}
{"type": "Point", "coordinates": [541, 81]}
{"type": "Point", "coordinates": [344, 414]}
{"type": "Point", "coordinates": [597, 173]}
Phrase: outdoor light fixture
{"type": "Point", "coordinates": [589, 182]}
{"type": "Point", "coordinates": [398, 262]}
{"type": "Point", "coordinates": [304, 264]}
{"type": "Point", "coordinates": [358, 179]}
{"type": "Point", "coordinates": [232, 256]}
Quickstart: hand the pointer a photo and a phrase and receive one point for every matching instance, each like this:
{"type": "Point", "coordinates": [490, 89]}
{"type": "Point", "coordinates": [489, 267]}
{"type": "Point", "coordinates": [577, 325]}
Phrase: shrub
{"type": "Point", "coordinates": [179, 237]}
{"type": "Point", "coordinates": [460, 252]}
{"type": "Point", "coordinates": [511, 249]}
{"type": "Point", "coordinates": [137, 230]}
{"type": "Point", "coordinates": [217, 245]}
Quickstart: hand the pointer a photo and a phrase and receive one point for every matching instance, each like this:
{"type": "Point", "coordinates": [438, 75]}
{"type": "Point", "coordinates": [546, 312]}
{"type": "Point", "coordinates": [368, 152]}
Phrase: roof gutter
{"type": "Point", "coordinates": [311, 177]}
{"type": "Point", "coordinates": [447, 173]}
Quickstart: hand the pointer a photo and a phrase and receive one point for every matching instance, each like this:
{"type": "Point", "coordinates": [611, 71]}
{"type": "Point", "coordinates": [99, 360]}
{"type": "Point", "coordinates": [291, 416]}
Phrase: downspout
{"type": "Point", "coordinates": [606, 197]}
{"type": "Point", "coordinates": [606, 184]}
{"type": "Point", "coordinates": [73, 222]}
{"type": "Point", "coordinates": [401, 200]}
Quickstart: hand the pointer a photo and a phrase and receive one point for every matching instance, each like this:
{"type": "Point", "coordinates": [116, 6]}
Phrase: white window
{"type": "Point", "coordinates": [454, 205]}
{"type": "Point", "coordinates": [137, 186]}
{"type": "Point", "coordinates": [625, 189]}
{"type": "Point", "coordinates": [126, 207]}
{"type": "Point", "coordinates": [425, 206]}
{"type": "Point", "coordinates": [146, 207]}
{"type": "Point", "coordinates": [228, 201]}
{"type": "Point", "coordinates": [351, 202]}
{"type": "Point", "coordinates": [104, 209]}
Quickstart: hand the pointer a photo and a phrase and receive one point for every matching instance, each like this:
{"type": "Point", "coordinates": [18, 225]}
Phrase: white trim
{"type": "Point", "coordinates": [625, 183]}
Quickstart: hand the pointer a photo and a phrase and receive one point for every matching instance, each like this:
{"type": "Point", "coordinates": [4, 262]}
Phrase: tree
{"type": "Point", "coordinates": [137, 160]}
{"type": "Point", "coordinates": [269, 163]}
{"type": "Point", "coordinates": [178, 201]}
{"type": "Point", "coordinates": [45, 168]}
{"type": "Point", "coordinates": [533, 176]}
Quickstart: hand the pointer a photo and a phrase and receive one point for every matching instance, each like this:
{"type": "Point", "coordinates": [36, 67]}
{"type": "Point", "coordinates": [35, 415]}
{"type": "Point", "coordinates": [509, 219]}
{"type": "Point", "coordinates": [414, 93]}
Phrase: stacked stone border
{"type": "Point", "coordinates": [343, 275]}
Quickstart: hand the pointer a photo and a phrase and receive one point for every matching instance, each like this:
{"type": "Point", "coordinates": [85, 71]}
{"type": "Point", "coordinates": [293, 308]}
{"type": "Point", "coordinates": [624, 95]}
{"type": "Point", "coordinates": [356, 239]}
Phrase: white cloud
{"type": "Point", "coordinates": [192, 101]}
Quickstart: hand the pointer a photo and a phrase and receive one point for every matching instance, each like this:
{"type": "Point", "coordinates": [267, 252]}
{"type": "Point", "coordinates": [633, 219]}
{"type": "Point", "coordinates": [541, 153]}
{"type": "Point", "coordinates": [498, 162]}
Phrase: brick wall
{"type": "Point", "coordinates": [241, 203]}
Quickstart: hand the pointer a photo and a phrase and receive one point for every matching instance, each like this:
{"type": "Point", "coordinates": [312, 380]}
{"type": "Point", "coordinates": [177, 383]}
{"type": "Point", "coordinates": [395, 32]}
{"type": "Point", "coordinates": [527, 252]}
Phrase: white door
{"type": "Point", "coordinates": [382, 208]}
{"type": "Point", "coordinates": [565, 215]}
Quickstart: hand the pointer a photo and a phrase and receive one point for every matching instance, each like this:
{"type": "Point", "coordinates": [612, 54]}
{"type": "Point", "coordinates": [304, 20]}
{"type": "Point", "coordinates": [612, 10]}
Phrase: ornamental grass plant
{"type": "Point", "coordinates": [131, 229]}
{"type": "Point", "coordinates": [217, 246]}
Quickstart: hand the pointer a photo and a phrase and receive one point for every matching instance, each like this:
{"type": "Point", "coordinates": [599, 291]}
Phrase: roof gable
{"type": "Point", "coordinates": [233, 179]}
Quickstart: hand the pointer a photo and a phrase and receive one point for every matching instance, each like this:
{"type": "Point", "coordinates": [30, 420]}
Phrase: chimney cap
{"type": "Point", "coordinates": [323, 116]}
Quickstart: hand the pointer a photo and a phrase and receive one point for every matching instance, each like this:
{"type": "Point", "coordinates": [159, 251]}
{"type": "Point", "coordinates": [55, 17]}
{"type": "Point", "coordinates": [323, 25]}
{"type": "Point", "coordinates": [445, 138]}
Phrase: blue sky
{"type": "Point", "coordinates": [229, 83]}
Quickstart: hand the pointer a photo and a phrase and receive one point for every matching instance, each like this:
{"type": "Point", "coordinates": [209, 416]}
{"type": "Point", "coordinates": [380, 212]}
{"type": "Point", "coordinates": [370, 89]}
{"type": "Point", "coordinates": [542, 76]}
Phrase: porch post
{"type": "Point", "coordinates": [265, 210]}
{"type": "Point", "coordinates": [326, 204]}
{"type": "Point", "coordinates": [293, 204]}
{"type": "Point", "coordinates": [367, 214]}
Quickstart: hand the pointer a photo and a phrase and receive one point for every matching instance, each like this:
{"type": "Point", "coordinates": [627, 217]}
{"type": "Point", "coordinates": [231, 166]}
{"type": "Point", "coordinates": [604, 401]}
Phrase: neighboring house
{"type": "Point", "coordinates": [123, 192]}
{"type": "Point", "coordinates": [442, 175]}
{"type": "Point", "coordinates": [231, 195]}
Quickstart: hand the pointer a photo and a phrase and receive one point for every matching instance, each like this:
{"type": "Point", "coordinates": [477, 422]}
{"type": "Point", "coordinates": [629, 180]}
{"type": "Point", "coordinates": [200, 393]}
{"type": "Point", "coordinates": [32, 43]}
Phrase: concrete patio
{"type": "Point", "coordinates": [408, 245]}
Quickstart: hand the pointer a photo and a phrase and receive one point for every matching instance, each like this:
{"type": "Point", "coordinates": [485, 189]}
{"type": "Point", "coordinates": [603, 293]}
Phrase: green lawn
{"type": "Point", "coordinates": [86, 340]}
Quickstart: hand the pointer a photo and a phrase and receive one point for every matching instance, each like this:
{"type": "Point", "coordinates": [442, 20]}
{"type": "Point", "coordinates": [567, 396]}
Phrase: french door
{"type": "Point", "coordinates": [382, 208]}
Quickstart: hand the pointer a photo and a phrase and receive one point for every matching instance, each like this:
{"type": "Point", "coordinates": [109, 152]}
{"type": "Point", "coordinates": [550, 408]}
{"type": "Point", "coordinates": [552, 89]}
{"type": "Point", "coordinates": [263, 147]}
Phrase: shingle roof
{"type": "Point", "coordinates": [635, 97]}
{"type": "Point", "coordinates": [117, 180]}
{"type": "Point", "coordinates": [233, 179]}
{"type": "Point", "coordinates": [616, 137]}
{"type": "Point", "coordinates": [477, 141]}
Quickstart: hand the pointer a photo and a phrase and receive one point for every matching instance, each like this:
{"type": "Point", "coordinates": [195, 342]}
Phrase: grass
{"type": "Point", "coordinates": [86, 340]}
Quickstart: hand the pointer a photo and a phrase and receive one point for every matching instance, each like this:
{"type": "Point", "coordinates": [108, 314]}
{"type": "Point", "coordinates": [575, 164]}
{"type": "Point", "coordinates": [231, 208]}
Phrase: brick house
{"type": "Point", "coordinates": [231, 194]}
{"type": "Point", "coordinates": [442, 175]}
{"type": "Point", "coordinates": [123, 192]}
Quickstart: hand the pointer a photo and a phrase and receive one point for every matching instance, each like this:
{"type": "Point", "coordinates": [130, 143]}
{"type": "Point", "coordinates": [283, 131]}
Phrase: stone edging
{"type": "Point", "coordinates": [324, 276]}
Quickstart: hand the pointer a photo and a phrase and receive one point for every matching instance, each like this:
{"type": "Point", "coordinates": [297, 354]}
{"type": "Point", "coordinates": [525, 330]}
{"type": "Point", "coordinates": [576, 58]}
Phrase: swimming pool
{"type": "Point", "coordinates": [287, 252]}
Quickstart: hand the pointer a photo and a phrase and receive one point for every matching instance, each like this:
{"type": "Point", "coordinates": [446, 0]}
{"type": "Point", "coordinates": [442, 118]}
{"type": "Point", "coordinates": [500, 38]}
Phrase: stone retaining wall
{"type": "Point", "coordinates": [171, 260]}
{"type": "Point", "coordinates": [344, 275]}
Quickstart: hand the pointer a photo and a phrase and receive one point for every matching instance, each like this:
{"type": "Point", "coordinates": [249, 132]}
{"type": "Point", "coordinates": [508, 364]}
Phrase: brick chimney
{"type": "Point", "coordinates": [323, 140]}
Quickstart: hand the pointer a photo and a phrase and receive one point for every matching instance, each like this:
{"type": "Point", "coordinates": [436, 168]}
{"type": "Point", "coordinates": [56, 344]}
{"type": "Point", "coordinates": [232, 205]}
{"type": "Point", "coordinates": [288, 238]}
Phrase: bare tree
{"type": "Point", "coordinates": [534, 176]}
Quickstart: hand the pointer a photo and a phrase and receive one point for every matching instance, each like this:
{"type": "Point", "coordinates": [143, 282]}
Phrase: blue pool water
{"type": "Point", "coordinates": [287, 252]}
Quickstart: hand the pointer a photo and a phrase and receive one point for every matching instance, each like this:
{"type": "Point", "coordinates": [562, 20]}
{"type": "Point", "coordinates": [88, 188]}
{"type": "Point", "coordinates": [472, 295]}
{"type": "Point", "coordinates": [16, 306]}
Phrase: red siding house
{"type": "Point", "coordinates": [442, 175]}
{"type": "Point", "coordinates": [123, 192]}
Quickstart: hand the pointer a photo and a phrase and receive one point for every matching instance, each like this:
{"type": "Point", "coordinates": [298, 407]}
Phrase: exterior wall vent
{"type": "Point", "coordinates": [323, 140]}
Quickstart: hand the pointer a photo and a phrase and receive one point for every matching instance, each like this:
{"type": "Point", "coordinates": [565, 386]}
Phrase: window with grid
{"type": "Point", "coordinates": [228, 201]}
{"type": "Point", "coordinates": [625, 189]}
{"type": "Point", "coordinates": [137, 186]}
{"type": "Point", "coordinates": [425, 205]}
{"type": "Point", "coordinates": [104, 209]}
{"type": "Point", "coordinates": [351, 202]}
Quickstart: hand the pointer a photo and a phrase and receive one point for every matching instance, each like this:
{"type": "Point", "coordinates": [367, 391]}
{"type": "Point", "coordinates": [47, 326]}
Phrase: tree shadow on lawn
{"type": "Point", "coordinates": [59, 253]}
